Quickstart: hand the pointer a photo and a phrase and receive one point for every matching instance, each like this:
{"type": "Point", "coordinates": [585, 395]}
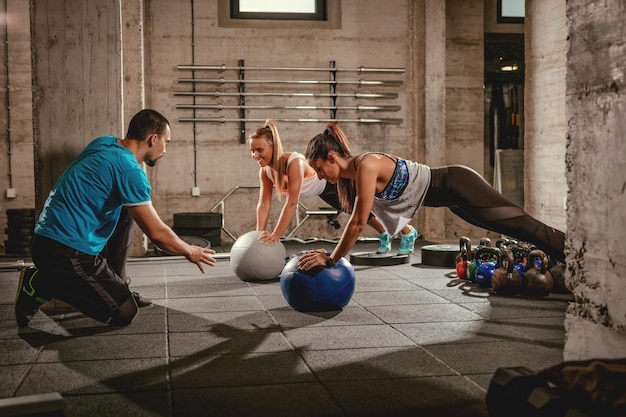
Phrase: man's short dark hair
{"type": "Point", "coordinates": [145, 123]}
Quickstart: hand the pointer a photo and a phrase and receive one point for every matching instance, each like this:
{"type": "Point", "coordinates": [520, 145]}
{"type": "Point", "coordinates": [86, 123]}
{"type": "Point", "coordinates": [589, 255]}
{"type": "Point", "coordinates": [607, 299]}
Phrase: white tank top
{"type": "Point", "coordinates": [311, 185]}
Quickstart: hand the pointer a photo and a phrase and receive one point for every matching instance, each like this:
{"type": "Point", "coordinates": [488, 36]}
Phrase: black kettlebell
{"type": "Point", "coordinates": [506, 280]}
{"type": "Point", "coordinates": [503, 243]}
{"type": "Point", "coordinates": [558, 275]}
{"type": "Point", "coordinates": [537, 279]}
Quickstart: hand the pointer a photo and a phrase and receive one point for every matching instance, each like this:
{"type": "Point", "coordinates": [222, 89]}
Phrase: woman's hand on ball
{"type": "Point", "coordinates": [269, 238]}
{"type": "Point", "coordinates": [312, 259]}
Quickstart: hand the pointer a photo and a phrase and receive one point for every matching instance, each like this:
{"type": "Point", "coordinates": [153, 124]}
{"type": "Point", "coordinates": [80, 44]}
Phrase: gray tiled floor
{"type": "Point", "coordinates": [413, 341]}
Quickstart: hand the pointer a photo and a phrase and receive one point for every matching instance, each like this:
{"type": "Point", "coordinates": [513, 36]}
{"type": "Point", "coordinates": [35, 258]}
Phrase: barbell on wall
{"type": "Point", "coordinates": [274, 81]}
{"type": "Point", "coordinates": [219, 106]}
{"type": "Point", "coordinates": [227, 119]}
{"type": "Point", "coordinates": [279, 94]}
{"type": "Point", "coordinates": [254, 68]}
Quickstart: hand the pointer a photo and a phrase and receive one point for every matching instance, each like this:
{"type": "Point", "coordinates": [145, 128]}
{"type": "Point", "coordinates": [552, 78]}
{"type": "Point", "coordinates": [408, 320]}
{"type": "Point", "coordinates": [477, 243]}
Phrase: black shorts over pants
{"type": "Point", "coordinates": [94, 285]}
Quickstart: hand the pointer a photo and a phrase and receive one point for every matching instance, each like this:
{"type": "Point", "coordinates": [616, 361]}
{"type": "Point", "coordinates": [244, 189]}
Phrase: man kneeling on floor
{"type": "Point", "coordinates": [84, 232]}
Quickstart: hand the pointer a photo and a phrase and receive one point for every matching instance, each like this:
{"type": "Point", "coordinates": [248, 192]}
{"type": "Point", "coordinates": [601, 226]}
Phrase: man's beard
{"type": "Point", "coordinates": [151, 162]}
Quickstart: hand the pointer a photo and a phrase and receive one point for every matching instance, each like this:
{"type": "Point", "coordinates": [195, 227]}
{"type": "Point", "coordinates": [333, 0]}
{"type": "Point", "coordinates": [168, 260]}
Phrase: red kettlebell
{"type": "Point", "coordinates": [506, 280]}
{"type": "Point", "coordinates": [537, 279]}
{"type": "Point", "coordinates": [463, 263]}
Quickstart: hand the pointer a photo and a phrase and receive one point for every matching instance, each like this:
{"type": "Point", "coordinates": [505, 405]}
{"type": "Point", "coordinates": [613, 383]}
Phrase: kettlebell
{"type": "Point", "coordinates": [504, 243]}
{"type": "Point", "coordinates": [490, 261]}
{"type": "Point", "coordinates": [558, 276]}
{"type": "Point", "coordinates": [537, 279]}
{"type": "Point", "coordinates": [485, 242]}
{"type": "Point", "coordinates": [520, 256]}
{"type": "Point", "coordinates": [506, 280]}
{"type": "Point", "coordinates": [501, 243]}
{"type": "Point", "coordinates": [463, 263]}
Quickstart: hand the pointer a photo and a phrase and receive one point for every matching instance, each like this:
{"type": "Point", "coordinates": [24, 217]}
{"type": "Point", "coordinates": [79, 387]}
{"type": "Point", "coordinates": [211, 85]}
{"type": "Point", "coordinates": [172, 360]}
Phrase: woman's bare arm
{"type": "Point", "coordinates": [366, 181]}
{"type": "Point", "coordinates": [265, 200]}
{"type": "Point", "coordinates": [295, 172]}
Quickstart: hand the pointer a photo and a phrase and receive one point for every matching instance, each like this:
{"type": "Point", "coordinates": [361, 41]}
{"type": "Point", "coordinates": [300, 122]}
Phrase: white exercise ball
{"type": "Point", "coordinates": [252, 260]}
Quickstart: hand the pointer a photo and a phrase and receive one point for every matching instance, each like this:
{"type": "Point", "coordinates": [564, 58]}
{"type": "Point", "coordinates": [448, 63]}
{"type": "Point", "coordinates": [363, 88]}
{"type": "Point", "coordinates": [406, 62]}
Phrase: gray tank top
{"type": "Point", "coordinates": [397, 213]}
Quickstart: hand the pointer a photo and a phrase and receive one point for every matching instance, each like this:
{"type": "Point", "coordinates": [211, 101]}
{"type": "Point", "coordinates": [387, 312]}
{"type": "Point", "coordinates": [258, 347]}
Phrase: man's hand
{"type": "Point", "coordinates": [200, 256]}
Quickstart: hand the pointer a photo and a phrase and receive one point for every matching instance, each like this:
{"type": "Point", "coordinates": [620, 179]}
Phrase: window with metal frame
{"type": "Point", "coordinates": [279, 9]}
{"type": "Point", "coordinates": [511, 11]}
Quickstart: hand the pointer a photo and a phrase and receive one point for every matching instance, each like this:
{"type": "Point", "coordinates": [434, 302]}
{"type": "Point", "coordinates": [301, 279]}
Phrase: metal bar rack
{"type": "Point", "coordinates": [309, 90]}
{"type": "Point", "coordinates": [328, 212]}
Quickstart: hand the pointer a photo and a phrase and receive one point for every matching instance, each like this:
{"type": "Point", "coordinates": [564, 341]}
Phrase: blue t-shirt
{"type": "Point", "coordinates": [84, 206]}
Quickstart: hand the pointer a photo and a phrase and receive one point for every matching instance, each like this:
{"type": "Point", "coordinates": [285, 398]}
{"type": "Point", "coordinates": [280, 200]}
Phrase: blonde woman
{"type": "Point", "coordinates": [295, 179]}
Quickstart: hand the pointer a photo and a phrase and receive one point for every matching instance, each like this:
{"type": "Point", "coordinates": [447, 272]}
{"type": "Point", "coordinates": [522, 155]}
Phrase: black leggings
{"type": "Point", "coordinates": [94, 285]}
{"type": "Point", "coordinates": [473, 199]}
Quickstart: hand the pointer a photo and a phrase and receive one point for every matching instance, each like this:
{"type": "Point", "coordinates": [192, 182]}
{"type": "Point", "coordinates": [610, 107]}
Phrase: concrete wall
{"type": "Point", "coordinates": [81, 93]}
{"type": "Point", "coordinates": [596, 220]}
{"type": "Point", "coordinates": [366, 37]}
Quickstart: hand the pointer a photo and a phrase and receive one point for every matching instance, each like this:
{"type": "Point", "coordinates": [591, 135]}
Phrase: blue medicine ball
{"type": "Point", "coordinates": [318, 289]}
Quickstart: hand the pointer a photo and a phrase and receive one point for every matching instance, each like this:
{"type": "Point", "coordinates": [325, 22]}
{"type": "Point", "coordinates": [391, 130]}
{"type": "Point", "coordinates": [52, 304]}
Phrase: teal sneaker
{"type": "Point", "coordinates": [385, 243]}
{"type": "Point", "coordinates": [26, 302]}
{"type": "Point", "coordinates": [407, 242]}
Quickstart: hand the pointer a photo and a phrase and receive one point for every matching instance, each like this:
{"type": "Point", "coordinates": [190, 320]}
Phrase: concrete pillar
{"type": "Point", "coordinates": [462, 141]}
{"type": "Point", "coordinates": [453, 99]}
{"type": "Point", "coordinates": [82, 92]}
{"type": "Point", "coordinates": [545, 130]}
{"type": "Point", "coordinates": [596, 170]}
{"type": "Point", "coordinates": [133, 90]}
{"type": "Point", "coordinates": [16, 122]}
{"type": "Point", "coordinates": [434, 103]}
